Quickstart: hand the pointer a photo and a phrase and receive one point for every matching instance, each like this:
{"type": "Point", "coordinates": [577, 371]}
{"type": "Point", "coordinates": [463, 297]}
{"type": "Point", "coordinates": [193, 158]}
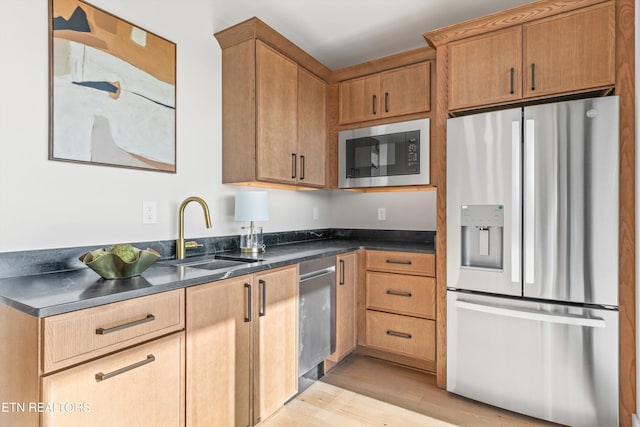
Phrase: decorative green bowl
{"type": "Point", "coordinates": [110, 266]}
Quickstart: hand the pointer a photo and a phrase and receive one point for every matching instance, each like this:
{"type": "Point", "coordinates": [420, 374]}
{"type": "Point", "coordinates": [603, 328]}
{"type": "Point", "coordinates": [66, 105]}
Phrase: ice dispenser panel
{"type": "Point", "coordinates": [482, 230]}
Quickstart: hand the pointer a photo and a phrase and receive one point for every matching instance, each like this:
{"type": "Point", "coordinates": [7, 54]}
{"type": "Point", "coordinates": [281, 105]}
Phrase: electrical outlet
{"type": "Point", "coordinates": [149, 212]}
{"type": "Point", "coordinates": [382, 214]}
{"type": "Point", "coordinates": [315, 214]}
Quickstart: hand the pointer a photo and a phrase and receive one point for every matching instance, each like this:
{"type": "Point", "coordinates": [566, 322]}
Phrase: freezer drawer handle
{"type": "Point", "coordinates": [530, 315]}
{"type": "Point", "coordinates": [101, 377]}
{"type": "Point", "coordinates": [398, 293]}
{"type": "Point", "coordinates": [105, 331]}
{"type": "Point", "coordinates": [391, 261]}
{"type": "Point", "coordinates": [399, 334]}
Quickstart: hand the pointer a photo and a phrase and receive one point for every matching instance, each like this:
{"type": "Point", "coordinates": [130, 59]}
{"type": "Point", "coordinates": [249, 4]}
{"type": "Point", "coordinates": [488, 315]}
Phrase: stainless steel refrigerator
{"type": "Point", "coordinates": [532, 260]}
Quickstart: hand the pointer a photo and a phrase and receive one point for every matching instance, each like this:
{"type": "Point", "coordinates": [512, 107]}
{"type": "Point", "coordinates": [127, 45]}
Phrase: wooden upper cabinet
{"type": "Point", "coordinates": [566, 53]}
{"type": "Point", "coordinates": [570, 52]}
{"type": "Point", "coordinates": [359, 99]}
{"type": "Point", "coordinates": [486, 69]}
{"type": "Point", "coordinates": [396, 92]}
{"type": "Point", "coordinates": [276, 110]}
{"type": "Point", "coordinates": [405, 90]}
{"type": "Point", "coordinates": [312, 129]}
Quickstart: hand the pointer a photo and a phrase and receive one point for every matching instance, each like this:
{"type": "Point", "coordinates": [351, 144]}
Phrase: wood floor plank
{"type": "Point", "coordinates": [417, 391]}
{"type": "Point", "coordinates": [324, 405]}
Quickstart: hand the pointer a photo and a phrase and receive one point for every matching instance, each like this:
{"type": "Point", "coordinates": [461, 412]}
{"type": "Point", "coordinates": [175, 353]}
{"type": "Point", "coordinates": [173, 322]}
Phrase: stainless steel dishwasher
{"type": "Point", "coordinates": [317, 322]}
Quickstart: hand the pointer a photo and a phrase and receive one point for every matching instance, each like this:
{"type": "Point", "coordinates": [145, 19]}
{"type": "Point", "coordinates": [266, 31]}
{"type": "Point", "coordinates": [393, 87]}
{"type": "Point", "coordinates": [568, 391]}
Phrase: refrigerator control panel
{"type": "Point", "coordinates": [483, 215]}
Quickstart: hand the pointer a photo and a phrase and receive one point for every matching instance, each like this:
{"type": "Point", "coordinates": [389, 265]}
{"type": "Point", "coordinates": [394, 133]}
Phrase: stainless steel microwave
{"type": "Point", "coordinates": [395, 154]}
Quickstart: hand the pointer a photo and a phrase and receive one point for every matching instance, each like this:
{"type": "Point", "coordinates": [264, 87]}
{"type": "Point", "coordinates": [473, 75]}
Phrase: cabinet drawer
{"type": "Point", "coordinates": [141, 386]}
{"type": "Point", "coordinates": [402, 262]}
{"type": "Point", "coordinates": [404, 335]}
{"type": "Point", "coordinates": [400, 293]}
{"type": "Point", "coordinates": [71, 338]}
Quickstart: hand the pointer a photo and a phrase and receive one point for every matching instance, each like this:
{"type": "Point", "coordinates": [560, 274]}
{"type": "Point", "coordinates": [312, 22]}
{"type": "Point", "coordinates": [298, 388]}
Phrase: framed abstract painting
{"type": "Point", "coordinates": [112, 90]}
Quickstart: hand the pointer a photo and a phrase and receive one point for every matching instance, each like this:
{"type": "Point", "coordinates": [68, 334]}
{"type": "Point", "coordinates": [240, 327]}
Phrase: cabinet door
{"type": "Point", "coordinates": [219, 348]}
{"type": "Point", "coordinates": [276, 111]}
{"type": "Point", "coordinates": [312, 128]}
{"type": "Point", "coordinates": [405, 90]}
{"type": "Point", "coordinates": [346, 306]}
{"type": "Point", "coordinates": [570, 52]}
{"type": "Point", "coordinates": [359, 99]}
{"type": "Point", "coordinates": [277, 358]}
{"type": "Point", "coordinates": [485, 69]}
{"type": "Point", "coordinates": [141, 386]}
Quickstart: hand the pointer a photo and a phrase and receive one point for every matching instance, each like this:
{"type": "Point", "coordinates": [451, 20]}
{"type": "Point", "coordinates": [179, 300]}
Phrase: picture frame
{"type": "Point", "coordinates": [112, 90]}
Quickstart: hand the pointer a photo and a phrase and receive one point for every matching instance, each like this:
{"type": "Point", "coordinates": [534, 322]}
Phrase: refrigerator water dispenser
{"type": "Point", "coordinates": [482, 230]}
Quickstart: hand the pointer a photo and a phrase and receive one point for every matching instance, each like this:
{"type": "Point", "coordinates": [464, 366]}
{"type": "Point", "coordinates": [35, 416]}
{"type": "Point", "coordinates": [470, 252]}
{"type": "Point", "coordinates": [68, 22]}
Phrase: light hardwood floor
{"type": "Point", "coordinates": [363, 391]}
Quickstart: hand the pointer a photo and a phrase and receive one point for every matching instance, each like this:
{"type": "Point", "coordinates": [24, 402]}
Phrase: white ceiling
{"type": "Point", "coordinates": [340, 33]}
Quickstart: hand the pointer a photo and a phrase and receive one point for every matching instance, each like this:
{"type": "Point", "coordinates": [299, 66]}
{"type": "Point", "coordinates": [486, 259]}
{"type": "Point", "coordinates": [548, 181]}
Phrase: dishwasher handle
{"type": "Point", "coordinates": [313, 274]}
{"type": "Point", "coordinates": [592, 322]}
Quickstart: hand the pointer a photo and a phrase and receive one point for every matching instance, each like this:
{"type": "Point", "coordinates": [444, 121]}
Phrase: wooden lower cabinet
{"type": "Point", "coordinates": [219, 345]}
{"type": "Point", "coordinates": [140, 386]}
{"type": "Point", "coordinates": [277, 340]}
{"type": "Point", "coordinates": [409, 336]}
{"type": "Point", "coordinates": [346, 305]}
{"type": "Point", "coordinates": [242, 348]}
{"type": "Point", "coordinates": [397, 308]}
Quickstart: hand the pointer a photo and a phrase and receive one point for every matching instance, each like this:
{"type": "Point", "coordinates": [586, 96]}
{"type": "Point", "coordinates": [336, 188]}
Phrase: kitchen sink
{"type": "Point", "coordinates": [212, 262]}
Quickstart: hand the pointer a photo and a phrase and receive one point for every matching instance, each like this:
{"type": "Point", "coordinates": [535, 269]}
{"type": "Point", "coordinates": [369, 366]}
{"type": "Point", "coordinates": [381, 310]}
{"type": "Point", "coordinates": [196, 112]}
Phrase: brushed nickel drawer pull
{"type": "Point", "coordinates": [105, 331]}
{"type": "Point", "coordinates": [398, 293]}
{"type": "Point", "coordinates": [342, 272]}
{"type": "Point", "coordinates": [399, 334]}
{"type": "Point", "coordinates": [101, 377]}
{"type": "Point", "coordinates": [391, 261]}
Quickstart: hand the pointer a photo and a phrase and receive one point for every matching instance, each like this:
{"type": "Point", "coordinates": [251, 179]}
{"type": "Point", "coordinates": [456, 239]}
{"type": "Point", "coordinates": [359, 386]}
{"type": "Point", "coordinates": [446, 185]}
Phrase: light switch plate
{"type": "Point", "coordinates": [382, 214]}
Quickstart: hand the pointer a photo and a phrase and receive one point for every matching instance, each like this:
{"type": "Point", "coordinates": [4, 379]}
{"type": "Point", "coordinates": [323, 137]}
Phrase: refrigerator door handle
{"type": "Point", "coordinates": [516, 141]}
{"type": "Point", "coordinates": [529, 202]}
{"type": "Point", "coordinates": [592, 322]}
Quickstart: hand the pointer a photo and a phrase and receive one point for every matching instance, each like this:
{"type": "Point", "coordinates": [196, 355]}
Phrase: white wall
{"type": "Point", "coordinates": [404, 211]}
{"type": "Point", "coordinates": [48, 204]}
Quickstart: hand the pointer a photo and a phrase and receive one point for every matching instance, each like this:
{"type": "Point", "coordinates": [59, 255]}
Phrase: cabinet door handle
{"type": "Point", "coordinates": [341, 272]}
{"type": "Point", "coordinates": [101, 377]}
{"type": "Point", "coordinates": [247, 317]}
{"type": "Point", "coordinates": [263, 305]}
{"type": "Point", "coordinates": [399, 334]}
{"type": "Point", "coordinates": [533, 76]}
{"type": "Point", "coordinates": [386, 102]}
{"type": "Point", "coordinates": [301, 166]}
{"type": "Point", "coordinates": [105, 331]}
{"type": "Point", "coordinates": [511, 78]}
{"type": "Point", "coordinates": [294, 165]}
{"type": "Point", "coordinates": [392, 261]}
{"type": "Point", "coordinates": [398, 293]}
{"type": "Point", "coordinates": [373, 104]}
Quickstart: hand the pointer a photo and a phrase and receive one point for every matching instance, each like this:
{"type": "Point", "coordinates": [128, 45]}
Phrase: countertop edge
{"type": "Point", "coordinates": [202, 278]}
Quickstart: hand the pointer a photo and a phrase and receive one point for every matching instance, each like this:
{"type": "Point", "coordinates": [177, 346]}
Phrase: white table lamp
{"type": "Point", "coordinates": [252, 206]}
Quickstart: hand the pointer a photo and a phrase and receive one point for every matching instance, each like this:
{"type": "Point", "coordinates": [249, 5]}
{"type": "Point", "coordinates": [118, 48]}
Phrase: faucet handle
{"type": "Point", "coordinates": [192, 245]}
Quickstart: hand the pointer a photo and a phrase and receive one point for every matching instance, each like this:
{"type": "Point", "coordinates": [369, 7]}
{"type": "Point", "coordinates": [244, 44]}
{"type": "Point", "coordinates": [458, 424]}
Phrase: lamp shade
{"type": "Point", "coordinates": [252, 206]}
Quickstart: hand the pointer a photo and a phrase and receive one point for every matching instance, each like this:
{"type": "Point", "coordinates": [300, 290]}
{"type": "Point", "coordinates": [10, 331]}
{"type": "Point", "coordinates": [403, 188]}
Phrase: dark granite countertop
{"type": "Point", "coordinates": [48, 294]}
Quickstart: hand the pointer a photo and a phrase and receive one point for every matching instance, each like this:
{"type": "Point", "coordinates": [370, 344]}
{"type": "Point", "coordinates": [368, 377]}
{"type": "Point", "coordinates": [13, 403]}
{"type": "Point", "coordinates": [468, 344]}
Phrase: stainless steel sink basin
{"type": "Point", "coordinates": [212, 262]}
